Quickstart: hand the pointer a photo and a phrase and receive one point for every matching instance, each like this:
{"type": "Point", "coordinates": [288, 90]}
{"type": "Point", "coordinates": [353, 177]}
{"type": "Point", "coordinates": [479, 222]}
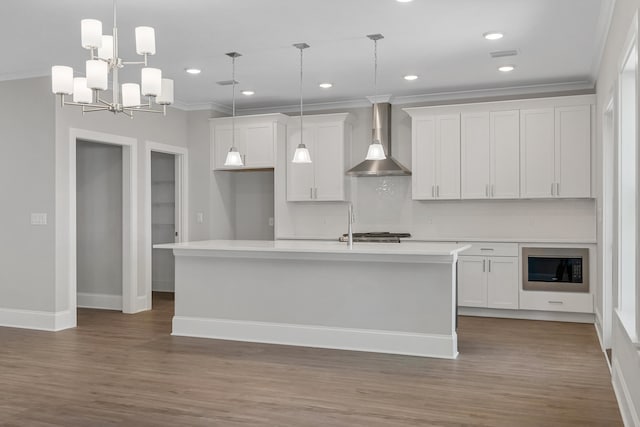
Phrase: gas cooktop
{"type": "Point", "coordinates": [378, 237]}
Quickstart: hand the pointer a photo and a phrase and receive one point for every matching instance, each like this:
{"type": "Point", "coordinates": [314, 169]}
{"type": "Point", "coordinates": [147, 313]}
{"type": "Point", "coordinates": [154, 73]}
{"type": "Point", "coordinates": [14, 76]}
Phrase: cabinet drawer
{"type": "Point", "coordinates": [556, 301]}
{"type": "Point", "coordinates": [490, 249]}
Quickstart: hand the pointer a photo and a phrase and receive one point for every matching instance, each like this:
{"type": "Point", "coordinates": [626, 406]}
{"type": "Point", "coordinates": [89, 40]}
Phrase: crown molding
{"type": "Point", "coordinates": [605, 17]}
{"type": "Point", "coordinates": [582, 86]}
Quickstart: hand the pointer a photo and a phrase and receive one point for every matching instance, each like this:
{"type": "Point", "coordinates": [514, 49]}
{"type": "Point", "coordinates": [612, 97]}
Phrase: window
{"type": "Point", "coordinates": [628, 185]}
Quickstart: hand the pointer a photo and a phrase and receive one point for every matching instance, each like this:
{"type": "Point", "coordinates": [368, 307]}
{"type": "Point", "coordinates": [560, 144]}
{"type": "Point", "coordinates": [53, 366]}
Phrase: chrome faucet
{"type": "Point", "coordinates": [350, 226]}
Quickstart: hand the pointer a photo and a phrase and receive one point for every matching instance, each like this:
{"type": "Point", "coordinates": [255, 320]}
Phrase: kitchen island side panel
{"type": "Point", "coordinates": [399, 297]}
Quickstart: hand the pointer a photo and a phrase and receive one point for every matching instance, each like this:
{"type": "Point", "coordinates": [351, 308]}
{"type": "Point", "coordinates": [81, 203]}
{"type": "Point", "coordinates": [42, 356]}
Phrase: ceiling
{"type": "Point", "coordinates": [559, 44]}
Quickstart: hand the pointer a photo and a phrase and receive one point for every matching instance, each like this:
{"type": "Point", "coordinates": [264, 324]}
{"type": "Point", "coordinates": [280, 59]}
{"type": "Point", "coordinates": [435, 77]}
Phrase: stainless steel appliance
{"type": "Point", "coordinates": [379, 237]}
{"type": "Point", "coordinates": [555, 269]}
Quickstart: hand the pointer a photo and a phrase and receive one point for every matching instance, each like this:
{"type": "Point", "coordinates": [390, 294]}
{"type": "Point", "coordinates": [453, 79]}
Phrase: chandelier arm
{"type": "Point", "coordinates": [93, 109]}
{"type": "Point", "coordinates": [144, 110]}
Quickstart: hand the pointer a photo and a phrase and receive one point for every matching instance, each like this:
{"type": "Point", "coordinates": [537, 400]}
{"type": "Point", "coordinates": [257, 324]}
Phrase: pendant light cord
{"type": "Point", "coordinates": [301, 107]}
{"type": "Point", "coordinates": [375, 71]}
{"type": "Point", "coordinates": [233, 102]}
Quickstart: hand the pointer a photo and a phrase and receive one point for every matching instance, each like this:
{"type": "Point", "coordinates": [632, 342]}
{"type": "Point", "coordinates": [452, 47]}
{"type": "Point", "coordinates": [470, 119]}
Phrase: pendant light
{"type": "Point", "coordinates": [233, 156]}
{"type": "Point", "coordinates": [376, 150]}
{"type": "Point", "coordinates": [301, 154]}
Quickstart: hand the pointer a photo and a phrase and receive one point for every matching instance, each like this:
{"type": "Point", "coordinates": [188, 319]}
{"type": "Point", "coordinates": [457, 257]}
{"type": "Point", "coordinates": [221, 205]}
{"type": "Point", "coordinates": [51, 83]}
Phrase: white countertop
{"type": "Point", "coordinates": [315, 246]}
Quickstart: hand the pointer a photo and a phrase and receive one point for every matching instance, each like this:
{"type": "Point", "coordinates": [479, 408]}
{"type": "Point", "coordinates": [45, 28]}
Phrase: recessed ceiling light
{"type": "Point", "coordinates": [506, 68]}
{"type": "Point", "coordinates": [248, 92]}
{"type": "Point", "coordinates": [325, 85]}
{"type": "Point", "coordinates": [492, 35]}
{"type": "Point", "coordinates": [193, 70]}
{"type": "Point", "coordinates": [411, 77]}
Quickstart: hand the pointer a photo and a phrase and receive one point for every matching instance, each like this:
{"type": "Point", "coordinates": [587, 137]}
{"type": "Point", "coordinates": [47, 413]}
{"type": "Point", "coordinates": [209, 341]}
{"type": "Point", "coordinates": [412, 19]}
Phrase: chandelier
{"type": "Point", "coordinates": [104, 60]}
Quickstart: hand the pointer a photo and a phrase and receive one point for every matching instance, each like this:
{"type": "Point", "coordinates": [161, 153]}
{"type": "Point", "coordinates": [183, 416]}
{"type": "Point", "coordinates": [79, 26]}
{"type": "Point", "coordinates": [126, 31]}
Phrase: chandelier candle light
{"type": "Point", "coordinates": [301, 154]}
{"type": "Point", "coordinates": [233, 156]}
{"type": "Point", "coordinates": [376, 150]}
{"type": "Point", "coordinates": [85, 91]}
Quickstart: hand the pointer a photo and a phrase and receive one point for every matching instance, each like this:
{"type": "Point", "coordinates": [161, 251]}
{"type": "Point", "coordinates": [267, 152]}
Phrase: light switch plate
{"type": "Point", "coordinates": [199, 217]}
{"type": "Point", "coordinates": [38, 218]}
{"type": "Point", "coordinates": [271, 222]}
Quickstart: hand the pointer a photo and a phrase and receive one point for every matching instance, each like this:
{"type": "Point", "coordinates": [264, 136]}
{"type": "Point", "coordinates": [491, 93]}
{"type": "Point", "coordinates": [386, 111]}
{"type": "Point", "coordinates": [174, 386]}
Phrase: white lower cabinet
{"type": "Point", "coordinates": [488, 276]}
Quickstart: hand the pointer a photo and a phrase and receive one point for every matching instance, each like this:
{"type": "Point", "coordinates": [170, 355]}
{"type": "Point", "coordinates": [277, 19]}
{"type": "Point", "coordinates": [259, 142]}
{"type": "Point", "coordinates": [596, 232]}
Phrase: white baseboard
{"type": "Point", "coordinates": [554, 316]}
{"type": "Point", "coordinates": [38, 320]}
{"type": "Point", "coordinates": [100, 301]}
{"type": "Point", "coordinates": [629, 412]}
{"type": "Point", "coordinates": [413, 344]}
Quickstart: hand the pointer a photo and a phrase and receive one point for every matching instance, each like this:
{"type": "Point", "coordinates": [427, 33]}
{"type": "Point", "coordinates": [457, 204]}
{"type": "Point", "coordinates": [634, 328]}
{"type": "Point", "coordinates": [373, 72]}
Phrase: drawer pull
{"type": "Point", "coordinates": [556, 302]}
{"type": "Point", "coordinates": [487, 249]}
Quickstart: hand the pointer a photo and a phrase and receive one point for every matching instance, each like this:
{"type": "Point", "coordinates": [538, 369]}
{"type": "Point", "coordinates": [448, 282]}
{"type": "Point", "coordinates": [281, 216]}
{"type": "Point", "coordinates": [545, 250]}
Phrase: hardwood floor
{"type": "Point", "coordinates": [126, 370]}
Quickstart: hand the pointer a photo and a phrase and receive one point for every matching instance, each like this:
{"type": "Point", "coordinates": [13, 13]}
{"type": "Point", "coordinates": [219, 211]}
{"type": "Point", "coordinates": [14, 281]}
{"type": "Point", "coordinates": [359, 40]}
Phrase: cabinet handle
{"type": "Point", "coordinates": [483, 265]}
{"type": "Point", "coordinates": [557, 188]}
{"type": "Point", "coordinates": [487, 249]}
{"type": "Point", "coordinates": [311, 192]}
{"type": "Point", "coordinates": [553, 189]}
{"type": "Point", "coordinates": [244, 160]}
{"type": "Point", "coordinates": [438, 190]}
{"type": "Point", "coordinates": [492, 190]}
{"type": "Point", "coordinates": [315, 193]}
{"type": "Point", "coordinates": [556, 302]}
{"type": "Point", "coordinates": [433, 191]}
{"type": "Point", "coordinates": [486, 190]}
{"type": "Point", "coordinates": [489, 266]}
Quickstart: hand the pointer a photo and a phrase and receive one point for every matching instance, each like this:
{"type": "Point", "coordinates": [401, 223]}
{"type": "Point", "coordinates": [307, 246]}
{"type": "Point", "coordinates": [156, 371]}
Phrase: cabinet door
{"type": "Point", "coordinates": [573, 151]}
{"type": "Point", "coordinates": [475, 156]}
{"type": "Point", "coordinates": [258, 145]}
{"type": "Point", "coordinates": [300, 176]}
{"type": "Point", "coordinates": [448, 157]}
{"type": "Point", "coordinates": [423, 159]}
{"type": "Point", "coordinates": [328, 156]}
{"type": "Point", "coordinates": [472, 281]}
{"type": "Point", "coordinates": [502, 283]}
{"type": "Point", "coordinates": [505, 155]}
{"type": "Point", "coordinates": [537, 153]}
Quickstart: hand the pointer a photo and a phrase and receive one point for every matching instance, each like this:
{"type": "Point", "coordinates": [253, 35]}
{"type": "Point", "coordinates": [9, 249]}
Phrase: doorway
{"type": "Point", "coordinates": [99, 227]}
{"type": "Point", "coordinates": [165, 217]}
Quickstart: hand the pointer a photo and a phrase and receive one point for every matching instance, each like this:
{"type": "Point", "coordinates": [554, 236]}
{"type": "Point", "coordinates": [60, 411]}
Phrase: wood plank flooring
{"type": "Point", "coordinates": [126, 370]}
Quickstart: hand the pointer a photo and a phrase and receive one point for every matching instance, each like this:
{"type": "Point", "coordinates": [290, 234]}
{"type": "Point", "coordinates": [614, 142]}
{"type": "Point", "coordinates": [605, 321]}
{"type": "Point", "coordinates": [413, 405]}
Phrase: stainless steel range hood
{"type": "Point", "coordinates": [381, 131]}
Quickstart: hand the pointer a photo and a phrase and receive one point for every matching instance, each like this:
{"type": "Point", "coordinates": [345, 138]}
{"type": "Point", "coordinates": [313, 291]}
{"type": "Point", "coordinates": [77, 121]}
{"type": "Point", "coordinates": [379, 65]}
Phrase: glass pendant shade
{"type": "Point", "coordinates": [130, 95]}
{"type": "Point", "coordinates": [151, 79]}
{"type": "Point", "coordinates": [97, 74]}
{"type": "Point", "coordinates": [81, 93]}
{"type": "Point", "coordinates": [166, 94]}
{"type": "Point", "coordinates": [91, 33]}
{"type": "Point", "coordinates": [145, 41]}
{"type": "Point", "coordinates": [376, 151]}
{"type": "Point", "coordinates": [301, 154]}
{"type": "Point", "coordinates": [106, 51]}
{"type": "Point", "coordinates": [233, 158]}
{"type": "Point", "coordinates": [62, 80]}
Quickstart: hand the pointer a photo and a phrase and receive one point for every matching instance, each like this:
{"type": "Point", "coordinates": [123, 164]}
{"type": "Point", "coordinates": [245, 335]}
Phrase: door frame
{"type": "Point", "coordinates": [129, 214]}
{"type": "Point", "coordinates": [182, 204]}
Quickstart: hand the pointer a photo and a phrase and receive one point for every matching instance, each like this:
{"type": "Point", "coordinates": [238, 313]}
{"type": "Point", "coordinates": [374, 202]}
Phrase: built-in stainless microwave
{"type": "Point", "coordinates": [555, 269]}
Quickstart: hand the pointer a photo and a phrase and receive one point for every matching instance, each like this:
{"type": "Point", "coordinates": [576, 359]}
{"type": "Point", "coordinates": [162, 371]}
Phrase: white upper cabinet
{"type": "Point", "coordinates": [255, 138]}
{"type": "Point", "coordinates": [436, 156]}
{"type": "Point", "coordinates": [505, 155]}
{"type": "Point", "coordinates": [555, 146]}
{"type": "Point", "coordinates": [573, 151]}
{"type": "Point", "coordinates": [476, 155]}
{"type": "Point", "coordinates": [328, 137]}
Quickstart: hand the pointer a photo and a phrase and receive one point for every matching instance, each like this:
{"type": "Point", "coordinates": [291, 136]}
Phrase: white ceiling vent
{"type": "Point", "coordinates": [503, 53]}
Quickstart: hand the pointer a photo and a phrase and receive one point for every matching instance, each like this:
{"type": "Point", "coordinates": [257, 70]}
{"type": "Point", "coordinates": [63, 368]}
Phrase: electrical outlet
{"type": "Point", "coordinates": [271, 221]}
{"type": "Point", "coordinates": [199, 217]}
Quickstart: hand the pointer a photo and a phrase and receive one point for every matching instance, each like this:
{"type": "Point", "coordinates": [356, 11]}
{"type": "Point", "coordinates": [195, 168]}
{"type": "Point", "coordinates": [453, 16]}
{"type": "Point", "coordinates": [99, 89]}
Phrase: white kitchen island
{"type": "Point", "coordinates": [380, 297]}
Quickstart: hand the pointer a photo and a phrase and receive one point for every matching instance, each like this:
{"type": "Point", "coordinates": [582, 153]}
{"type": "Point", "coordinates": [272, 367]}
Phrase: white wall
{"type": "Point", "coordinates": [171, 129]}
{"type": "Point", "coordinates": [27, 175]}
{"type": "Point", "coordinates": [99, 218]}
{"type": "Point", "coordinates": [384, 204]}
{"type": "Point", "coordinates": [626, 355]}
{"type": "Point", "coordinates": [254, 203]}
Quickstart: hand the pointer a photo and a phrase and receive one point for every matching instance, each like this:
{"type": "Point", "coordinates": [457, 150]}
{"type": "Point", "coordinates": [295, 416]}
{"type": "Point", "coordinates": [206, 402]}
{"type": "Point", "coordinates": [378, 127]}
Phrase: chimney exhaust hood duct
{"type": "Point", "coordinates": [382, 132]}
